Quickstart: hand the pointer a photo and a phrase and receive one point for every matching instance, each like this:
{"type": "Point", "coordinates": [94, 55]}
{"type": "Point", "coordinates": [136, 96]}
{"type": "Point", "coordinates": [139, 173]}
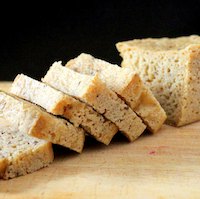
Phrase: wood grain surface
{"type": "Point", "coordinates": [164, 165]}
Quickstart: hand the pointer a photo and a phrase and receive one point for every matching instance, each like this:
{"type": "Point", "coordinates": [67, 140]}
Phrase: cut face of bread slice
{"type": "Point", "coordinates": [20, 153]}
{"type": "Point", "coordinates": [170, 68]}
{"type": "Point", "coordinates": [29, 118]}
{"type": "Point", "coordinates": [127, 84]}
{"type": "Point", "coordinates": [58, 103]}
{"type": "Point", "coordinates": [91, 90]}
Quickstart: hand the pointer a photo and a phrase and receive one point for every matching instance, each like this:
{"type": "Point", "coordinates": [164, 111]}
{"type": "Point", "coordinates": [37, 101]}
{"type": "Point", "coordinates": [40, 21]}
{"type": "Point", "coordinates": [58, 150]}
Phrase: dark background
{"type": "Point", "coordinates": [34, 36]}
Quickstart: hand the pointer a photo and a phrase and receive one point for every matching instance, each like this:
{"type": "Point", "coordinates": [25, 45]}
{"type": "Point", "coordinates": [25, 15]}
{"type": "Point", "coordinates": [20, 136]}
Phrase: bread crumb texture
{"type": "Point", "coordinates": [35, 121]}
{"type": "Point", "coordinates": [21, 154]}
{"type": "Point", "coordinates": [92, 91]}
{"type": "Point", "coordinates": [58, 103]}
{"type": "Point", "coordinates": [170, 67]}
{"type": "Point", "coordinates": [128, 86]}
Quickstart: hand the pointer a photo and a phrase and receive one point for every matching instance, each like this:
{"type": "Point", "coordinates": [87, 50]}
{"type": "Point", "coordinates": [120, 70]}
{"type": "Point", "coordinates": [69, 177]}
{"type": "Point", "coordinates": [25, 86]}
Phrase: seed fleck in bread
{"type": "Point", "coordinates": [29, 118]}
{"type": "Point", "coordinates": [170, 68]}
{"type": "Point", "coordinates": [91, 90]}
{"type": "Point", "coordinates": [58, 103]}
{"type": "Point", "coordinates": [21, 154]}
{"type": "Point", "coordinates": [127, 84]}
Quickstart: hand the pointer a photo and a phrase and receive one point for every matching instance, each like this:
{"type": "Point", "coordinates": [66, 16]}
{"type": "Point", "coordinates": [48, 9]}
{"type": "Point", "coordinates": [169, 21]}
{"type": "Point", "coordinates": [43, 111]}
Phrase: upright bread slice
{"type": "Point", "coordinates": [170, 68]}
{"type": "Point", "coordinates": [29, 118]}
{"type": "Point", "coordinates": [91, 90]}
{"type": "Point", "coordinates": [127, 84]}
{"type": "Point", "coordinates": [58, 103]}
{"type": "Point", "coordinates": [21, 154]}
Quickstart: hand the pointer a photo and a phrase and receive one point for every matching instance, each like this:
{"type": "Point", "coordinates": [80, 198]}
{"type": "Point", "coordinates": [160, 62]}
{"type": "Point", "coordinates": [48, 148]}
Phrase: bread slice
{"type": "Point", "coordinates": [127, 84]}
{"type": "Point", "coordinates": [58, 103]}
{"type": "Point", "coordinates": [91, 90]}
{"type": "Point", "coordinates": [21, 154]}
{"type": "Point", "coordinates": [170, 68]}
{"type": "Point", "coordinates": [29, 118]}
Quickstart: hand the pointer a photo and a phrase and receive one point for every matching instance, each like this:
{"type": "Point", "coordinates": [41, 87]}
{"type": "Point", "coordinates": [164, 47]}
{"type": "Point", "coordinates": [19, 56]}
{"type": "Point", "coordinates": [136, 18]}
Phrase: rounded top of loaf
{"type": "Point", "coordinates": [159, 44]}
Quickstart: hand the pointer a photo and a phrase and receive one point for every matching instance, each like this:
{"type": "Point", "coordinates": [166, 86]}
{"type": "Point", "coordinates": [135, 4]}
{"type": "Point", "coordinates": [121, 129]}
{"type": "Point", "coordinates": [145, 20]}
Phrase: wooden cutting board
{"type": "Point", "coordinates": [164, 165]}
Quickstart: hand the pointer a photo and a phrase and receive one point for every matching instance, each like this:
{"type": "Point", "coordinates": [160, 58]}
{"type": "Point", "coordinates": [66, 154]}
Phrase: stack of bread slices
{"type": "Point", "coordinates": [88, 96]}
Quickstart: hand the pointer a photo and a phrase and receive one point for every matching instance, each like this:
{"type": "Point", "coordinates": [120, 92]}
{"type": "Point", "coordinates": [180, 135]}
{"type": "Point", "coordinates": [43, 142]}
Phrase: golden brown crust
{"type": "Point", "coordinates": [67, 135]}
{"type": "Point", "coordinates": [134, 88]}
{"type": "Point", "coordinates": [145, 104]}
{"type": "Point", "coordinates": [152, 114]}
{"type": "Point", "coordinates": [63, 105]}
{"type": "Point", "coordinates": [48, 151]}
{"type": "Point", "coordinates": [3, 166]}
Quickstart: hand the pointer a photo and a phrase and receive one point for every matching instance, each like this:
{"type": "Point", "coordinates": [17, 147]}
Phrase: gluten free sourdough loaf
{"type": "Point", "coordinates": [91, 90]}
{"type": "Point", "coordinates": [29, 118]}
{"type": "Point", "coordinates": [58, 103]}
{"type": "Point", "coordinates": [127, 84]}
{"type": "Point", "coordinates": [21, 154]}
{"type": "Point", "coordinates": [170, 67]}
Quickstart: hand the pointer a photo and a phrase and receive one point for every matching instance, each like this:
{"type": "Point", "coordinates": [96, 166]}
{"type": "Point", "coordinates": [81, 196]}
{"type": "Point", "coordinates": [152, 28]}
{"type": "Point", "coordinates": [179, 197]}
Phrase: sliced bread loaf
{"type": "Point", "coordinates": [21, 154]}
{"type": "Point", "coordinates": [91, 90]}
{"type": "Point", "coordinates": [127, 84]}
{"type": "Point", "coordinates": [170, 68]}
{"type": "Point", "coordinates": [29, 118]}
{"type": "Point", "coordinates": [58, 103]}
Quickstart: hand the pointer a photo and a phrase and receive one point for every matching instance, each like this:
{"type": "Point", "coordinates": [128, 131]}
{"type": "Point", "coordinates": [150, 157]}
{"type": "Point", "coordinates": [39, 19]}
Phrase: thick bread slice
{"type": "Point", "coordinates": [91, 90]}
{"type": "Point", "coordinates": [127, 84]}
{"type": "Point", "coordinates": [170, 68]}
{"type": "Point", "coordinates": [58, 103]}
{"type": "Point", "coordinates": [20, 153]}
{"type": "Point", "coordinates": [31, 119]}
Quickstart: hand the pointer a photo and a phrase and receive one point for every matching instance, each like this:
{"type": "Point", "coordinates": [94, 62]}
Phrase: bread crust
{"type": "Point", "coordinates": [91, 90]}
{"type": "Point", "coordinates": [127, 84]}
{"type": "Point", "coordinates": [36, 122]}
{"type": "Point", "coordinates": [58, 103]}
{"type": "Point", "coordinates": [3, 166]}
